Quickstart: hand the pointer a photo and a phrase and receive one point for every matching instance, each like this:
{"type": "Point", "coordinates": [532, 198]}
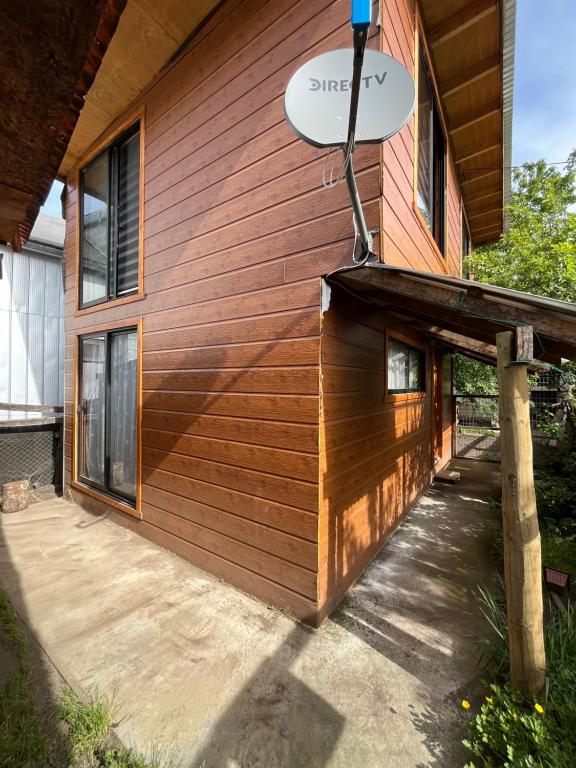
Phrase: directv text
{"type": "Point", "coordinates": [345, 85]}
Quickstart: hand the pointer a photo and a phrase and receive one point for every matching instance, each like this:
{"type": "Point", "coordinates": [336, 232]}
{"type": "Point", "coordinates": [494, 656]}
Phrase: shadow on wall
{"type": "Point", "coordinates": [275, 720]}
{"type": "Point", "coordinates": [378, 457]}
{"type": "Point", "coordinates": [417, 606]}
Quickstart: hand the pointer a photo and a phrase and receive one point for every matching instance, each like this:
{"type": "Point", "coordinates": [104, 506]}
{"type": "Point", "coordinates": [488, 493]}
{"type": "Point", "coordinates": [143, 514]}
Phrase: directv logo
{"type": "Point", "coordinates": [344, 85]}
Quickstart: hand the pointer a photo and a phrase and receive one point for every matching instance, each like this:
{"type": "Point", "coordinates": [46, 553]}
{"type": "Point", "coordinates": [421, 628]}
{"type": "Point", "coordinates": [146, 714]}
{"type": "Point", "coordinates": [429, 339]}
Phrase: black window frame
{"type": "Point", "coordinates": [422, 370]}
{"type": "Point", "coordinates": [112, 236]}
{"type": "Point", "coordinates": [104, 488]}
{"type": "Point", "coordinates": [466, 246]}
{"type": "Point", "coordinates": [438, 147]}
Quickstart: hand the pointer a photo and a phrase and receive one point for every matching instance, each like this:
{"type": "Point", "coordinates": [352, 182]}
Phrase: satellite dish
{"type": "Point", "coordinates": [317, 100]}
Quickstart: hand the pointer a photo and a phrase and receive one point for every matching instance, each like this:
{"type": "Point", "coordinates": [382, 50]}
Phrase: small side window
{"type": "Point", "coordinates": [406, 368]}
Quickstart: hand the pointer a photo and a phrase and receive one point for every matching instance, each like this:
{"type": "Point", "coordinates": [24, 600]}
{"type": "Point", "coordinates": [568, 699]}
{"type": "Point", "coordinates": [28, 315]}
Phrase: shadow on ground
{"type": "Point", "coordinates": [226, 681]}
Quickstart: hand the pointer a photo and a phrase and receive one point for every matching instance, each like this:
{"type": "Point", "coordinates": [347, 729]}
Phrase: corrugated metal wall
{"type": "Point", "coordinates": [31, 330]}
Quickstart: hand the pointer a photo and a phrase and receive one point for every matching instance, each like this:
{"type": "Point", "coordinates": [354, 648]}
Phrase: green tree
{"type": "Point", "coordinates": [537, 254]}
{"type": "Point", "coordinates": [471, 377]}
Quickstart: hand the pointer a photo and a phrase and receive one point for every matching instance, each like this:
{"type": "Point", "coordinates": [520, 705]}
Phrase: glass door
{"type": "Point", "coordinates": [92, 410]}
{"type": "Point", "coordinates": [122, 432]}
{"type": "Point", "coordinates": [107, 412]}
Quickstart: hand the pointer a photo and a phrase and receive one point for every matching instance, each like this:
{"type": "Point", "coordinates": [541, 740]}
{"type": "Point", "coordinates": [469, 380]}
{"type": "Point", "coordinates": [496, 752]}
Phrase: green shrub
{"type": "Point", "coordinates": [513, 731]}
{"type": "Point", "coordinates": [556, 499]}
{"type": "Point", "coordinates": [509, 731]}
{"type": "Point", "coordinates": [558, 550]}
{"type": "Point", "coordinates": [495, 645]}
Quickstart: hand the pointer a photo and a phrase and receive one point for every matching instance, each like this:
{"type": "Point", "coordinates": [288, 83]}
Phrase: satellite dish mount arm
{"type": "Point", "coordinates": [361, 13]}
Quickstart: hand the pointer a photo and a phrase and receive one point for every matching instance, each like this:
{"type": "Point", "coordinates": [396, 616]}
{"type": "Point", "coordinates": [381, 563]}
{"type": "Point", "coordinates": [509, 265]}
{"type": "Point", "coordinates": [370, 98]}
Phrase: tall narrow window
{"type": "Point", "coordinates": [431, 174]}
{"type": "Point", "coordinates": [109, 222]}
{"type": "Point", "coordinates": [107, 412]}
{"type": "Point", "coordinates": [466, 248]}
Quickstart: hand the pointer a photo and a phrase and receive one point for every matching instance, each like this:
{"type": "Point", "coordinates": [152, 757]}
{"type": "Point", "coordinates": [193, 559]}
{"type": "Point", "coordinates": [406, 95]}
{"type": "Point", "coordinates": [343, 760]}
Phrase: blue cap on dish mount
{"type": "Point", "coordinates": [361, 14]}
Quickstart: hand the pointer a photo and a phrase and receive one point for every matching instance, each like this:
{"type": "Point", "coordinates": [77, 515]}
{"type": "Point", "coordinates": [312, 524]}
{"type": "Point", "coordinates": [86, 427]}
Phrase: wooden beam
{"type": "Point", "coordinates": [31, 408]}
{"type": "Point", "coordinates": [489, 110]}
{"type": "Point", "coordinates": [522, 553]}
{"type": "Point", "coordinates": [524, 351]}
{"type": "Point", "coordinates": [497, 225]}
{"type": "Point", "coordinates": [486, 351]}
{"type": "Point", "coordinates": [460, 21]}
{"type": "Point", "coordinates": [495, 189]}
{"type": "Point", "coordinates": [485, 213]}
{"type": "Point", "coordinates": [470, 75]}
{"type": "Point", "coordinates": [478, 148]}
{"type": "Point", "coordinates": [10, 424]}
{"type": "Point", "coordinates": [546, 323]}
{"type": "Point", "coordinates": [431, 319]}
{"type": "Point", "coordinates": [481, 175]}
{"type": "Point", "coordinates": [486, 237]}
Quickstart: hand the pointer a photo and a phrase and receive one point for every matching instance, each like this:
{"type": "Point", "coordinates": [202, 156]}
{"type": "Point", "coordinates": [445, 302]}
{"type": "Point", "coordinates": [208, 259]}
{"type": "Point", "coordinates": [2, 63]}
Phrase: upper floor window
{"type": "Point", "coordinates": [431, 173]}
{"type": "Point", "coordinates": [406, 368]}
{"type": "Point", "coordinates": [110, 222]}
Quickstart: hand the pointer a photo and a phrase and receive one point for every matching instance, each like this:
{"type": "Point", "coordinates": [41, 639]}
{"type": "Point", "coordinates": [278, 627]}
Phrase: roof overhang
{"type": "Point", "coordinates": [471, 43]}
{"type": "Point", "coordinates": [462, 314]}
{"type": "Point", "coordinates": [150, 35]}
{"type": "Point", "coordinates": [49, 55]}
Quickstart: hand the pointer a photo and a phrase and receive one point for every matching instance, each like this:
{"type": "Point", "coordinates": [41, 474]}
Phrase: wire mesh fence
{"type": "Point", "coordinates": [478, 426]}
{"type": "Point", "coordinates": [32, 453]}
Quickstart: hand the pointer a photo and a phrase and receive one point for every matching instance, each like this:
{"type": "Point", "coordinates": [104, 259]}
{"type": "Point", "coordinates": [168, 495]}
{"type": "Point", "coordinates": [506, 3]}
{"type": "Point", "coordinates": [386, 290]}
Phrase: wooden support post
{"type": "Point", "coordinates": [522, 556]}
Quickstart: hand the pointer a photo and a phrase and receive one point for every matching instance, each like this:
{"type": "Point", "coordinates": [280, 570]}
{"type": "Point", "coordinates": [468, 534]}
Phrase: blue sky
{"type": "Point", "coordinates": [544, 89]}
{"type": "Point", "coordinates": [544, 118]}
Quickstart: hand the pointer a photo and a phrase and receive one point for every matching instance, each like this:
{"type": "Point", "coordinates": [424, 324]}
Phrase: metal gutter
{"type": "Point", "coordinates": [508, 52]}
{"type": "Point", "coordinates": [43, 249]}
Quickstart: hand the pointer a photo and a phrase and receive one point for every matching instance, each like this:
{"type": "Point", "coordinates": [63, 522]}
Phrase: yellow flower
{"type": "Point", "coordinates": [489, 699]}
{"type": "Point", "coordinates": [465, 704]}
{"type": "Point", "coordinates": [539, 708]}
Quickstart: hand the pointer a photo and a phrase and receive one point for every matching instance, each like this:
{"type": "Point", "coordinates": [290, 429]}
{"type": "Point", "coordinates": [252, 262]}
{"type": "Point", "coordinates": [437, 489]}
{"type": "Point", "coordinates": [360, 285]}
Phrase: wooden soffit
{"type": "Point", "coordinates": [463, 314]}
{"type": "Point", "coordinates": [149, 34]}
{"type": "Point", "coordinates": [471, 43]}
{"type": "Point", "coordinates": [50, 51]}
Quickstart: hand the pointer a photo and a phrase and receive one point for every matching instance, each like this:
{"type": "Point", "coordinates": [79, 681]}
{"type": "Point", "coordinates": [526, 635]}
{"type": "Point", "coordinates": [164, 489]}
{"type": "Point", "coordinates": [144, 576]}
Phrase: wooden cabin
{"type": "Point", "coordinates": [222, 398]}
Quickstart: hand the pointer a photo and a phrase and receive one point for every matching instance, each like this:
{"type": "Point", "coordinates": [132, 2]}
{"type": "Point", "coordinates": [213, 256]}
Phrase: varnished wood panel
{"type": "Point", "coordinates": [375, 450]}
{"type": "Point", "coordinates": [238, 472]}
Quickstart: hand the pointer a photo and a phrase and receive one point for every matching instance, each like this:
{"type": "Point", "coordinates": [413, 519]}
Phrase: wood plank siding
{"type": "Point", "coordinates": [269, 454]}
{"type": "Point", "coordinates": [375, 449]}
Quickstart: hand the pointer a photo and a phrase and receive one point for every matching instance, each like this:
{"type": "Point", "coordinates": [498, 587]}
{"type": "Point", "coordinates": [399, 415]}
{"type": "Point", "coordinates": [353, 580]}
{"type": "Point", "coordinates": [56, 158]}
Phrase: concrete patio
{"type": "Point", "coordinates": [222, 681]}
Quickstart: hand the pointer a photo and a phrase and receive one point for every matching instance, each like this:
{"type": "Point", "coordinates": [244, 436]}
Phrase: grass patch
{"type": "Point", "coordinates": [88, 722]}
{"type": "Point", "coordinates": [30, 735]}
{"type": "Point", "coordinates": [10, 630]}
{"type": "Point", "coordinates": [23, 741]}
{"type": "Point", "coordinates": [484, 431]}
{"type": "Point", "coordinates": [127, 758]}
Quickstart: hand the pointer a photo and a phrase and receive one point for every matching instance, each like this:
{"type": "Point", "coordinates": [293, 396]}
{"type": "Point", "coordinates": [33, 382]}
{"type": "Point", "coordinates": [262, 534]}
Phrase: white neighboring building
{"type": "Point", "coordinates": [32, 320]}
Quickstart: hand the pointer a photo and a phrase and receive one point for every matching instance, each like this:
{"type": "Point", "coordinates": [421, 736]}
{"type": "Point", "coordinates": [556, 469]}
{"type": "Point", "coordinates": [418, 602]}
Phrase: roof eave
{"type": "Point", "coordinates": [508, 54]}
